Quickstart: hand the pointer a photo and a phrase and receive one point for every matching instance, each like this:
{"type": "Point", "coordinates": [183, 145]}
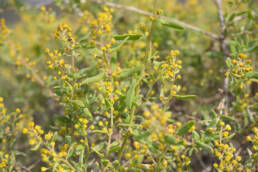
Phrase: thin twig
{"type": "Point", "coordinates": [18, 164]}
{"type": "Point", "coordinates": [146, 13]}
{"type": "Point", "coordinates": [224, 47]}
{"type": "Point", "coordinates": [36, 76]}
{"type": "Point", "coordinates": [34, 164]}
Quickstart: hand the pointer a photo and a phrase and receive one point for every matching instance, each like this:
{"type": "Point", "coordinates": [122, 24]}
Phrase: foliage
{"type": "Point", "coordinates": [99, 90]}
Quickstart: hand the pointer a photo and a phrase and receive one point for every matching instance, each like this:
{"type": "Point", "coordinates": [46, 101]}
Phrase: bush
{"type": "Point", "coordinates": [99, 86]}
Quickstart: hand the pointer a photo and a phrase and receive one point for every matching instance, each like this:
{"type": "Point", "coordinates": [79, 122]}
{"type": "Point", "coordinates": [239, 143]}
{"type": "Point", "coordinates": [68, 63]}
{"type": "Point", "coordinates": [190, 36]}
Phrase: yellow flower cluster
{"type": "Point", "coordinates": [181, 162]}
{"type": "Point", "coordinates": [101, 24]}
{"type": "Point", "coordinates": [243, 102]}
{"type": "Point", "coordinates": [226, 153]}
{"type": "Point", "coordinates": [34, 132]}
{"type": "Point", "coordinates": [51, 156]}
{"type": "Point", "coordinates": [64, 33]}
{"type": "Point", "coordinates": [254, 140]}
{"type": "Point", "coordinates": [81, 127]}
{"type": "Point", "coordinates": [241, 66]}
{"type": "Point", "coordinates": [46, 15]}
{"type": "Point", "coordinates": [4, 31]}
{"type": "Point", "coordinates": [157, 117]}
{"type": "Point", "coordinates": [4, 158]}
{"type": "Point", "coordinates": [57, 64]}
{"type": "Point", "coordinates": [10, 124]}
{"type": "Point", "coordinates": [171, 67]}
{"type": "Point", "coordinates": [157, 123]}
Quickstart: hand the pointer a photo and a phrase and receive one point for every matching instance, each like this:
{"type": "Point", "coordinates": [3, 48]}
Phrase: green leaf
{"type": "Point", "coordinates": [195, 135]}
{"type": "Point", "coordinates": [213, 114]}
{"type": "Point", "coordinates": [20, 153]}
{"type": "Point", "coordinates": [252, 75]}
{"type": "Point", "coordinates": [128, 125]}
{"type": "Point", "coordinates": [185, 96]}
{"type": "Point", "coordinates": [83, 38]}
{"type": "Point", "coordinates": [172, 25]}
{"type": "Point", "coordinates": [140, 136]}
{"type": "Point", "coordinates": [130, 94]}
{"type": "Point", "coordinates": [84, 71]}
{"type": "Point", "coordinates": [249, 152]}
{"type": "Point", "coordinates": [68, 139]}
{"type": "Point", "coordinates": [155, 145]}
{"type": "Point", "coordinates": [232, 16]}
{"type": "Point", "coordinates": [190, 152]}
{"type": "Point", "coordinates": [93, 79]}
{"type": "Point", "coordinates": [250, 116]}
{"type": "Point", "coordinates": [128, 72]}
{"type": "Point", "coordinates": [185, 128]}
{"type": "Point", "coordinates": [204, 146]}
{"type": "Point", "coordinates": [228, 62]}
{"type": "Point", "coordinates": [120, 45]}
{"type": "Point", "coordinates": [228, 119]}
{"type": "Point", "coordinates": [170, 139]}
{"type": "Point", "coordinates": [36, 147]}
{"type": "Point", "coordinates": [88, 113]}
{"type": "Point", "coordinates": [255, 107]}
{"type": "Point", "coordinates": [114, 147]}
{"type": "Point", "coordinates": [78, 103]}
{"type": "Point", "coordinates": [99, 131]}
{"type": "Point", "coordinates": [105, 163]}
{"type": "Point", "coordinates": [79, 149]}
{"type": "Point", "coordinates": [128, 36]}
{"type": "Point", "coordinates": [230, 136]}
{"type": "Point", "coordinates": [62, 119]}
{"type": "Point", "coordinates": [171, 121]}
{"type": "Point", "coordinates": [71, 150]}
{"type": "Point", "coordinates": [98, 148]}
{"type": "Point", "coordinates": [152, 149]}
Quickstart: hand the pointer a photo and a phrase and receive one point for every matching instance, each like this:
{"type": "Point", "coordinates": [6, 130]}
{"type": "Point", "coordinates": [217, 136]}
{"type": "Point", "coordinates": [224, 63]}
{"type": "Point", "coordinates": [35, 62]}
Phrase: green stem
{"type": "Point", "coordinates": [142, 74]}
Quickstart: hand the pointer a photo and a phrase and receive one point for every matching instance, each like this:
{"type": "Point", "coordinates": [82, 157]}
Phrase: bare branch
{"type": "Point", "coordinates": [146, 13]}
{"type": "Point", "coordinates": [225, 50]}
{"type": "Point", "coordinates": [221, 18]}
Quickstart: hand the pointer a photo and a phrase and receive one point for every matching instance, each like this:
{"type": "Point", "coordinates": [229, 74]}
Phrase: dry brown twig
{"type": "Point", "coordinates": [224, 47]}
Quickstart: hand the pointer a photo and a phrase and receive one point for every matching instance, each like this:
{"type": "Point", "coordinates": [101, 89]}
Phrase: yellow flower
{"type": "Point", "coordinates": [228, 127]}
{"type": "Point", "coordinates": [248, 138]}
{"type": "Point", "coordinates": [238, 158]}
{"type": "Point", "coordinates": [24, 130]}
{"type": "Point", "coordinates": [127, 155]}
{"type": "Point", "coordinates": [18, 110]}
{"type": "Point", "coordinates": [165, 163]}
{"type": "Point", "coordinates": [225, 134]}
{"type": "Point", "coordinates": [48, 136]}
{"type": "Point", "coordinates": [44, 169]}
{"type": "Point", "coordinates": [137, 145]}
{"type": "Point", "coordinates": [242, 55]}
{"type": "Point", "coordinates": [32, 141]}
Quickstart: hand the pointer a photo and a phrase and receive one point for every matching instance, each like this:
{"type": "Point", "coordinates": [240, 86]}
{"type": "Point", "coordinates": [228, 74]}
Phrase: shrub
{"type": "Point", "coordinates": [101, 91]}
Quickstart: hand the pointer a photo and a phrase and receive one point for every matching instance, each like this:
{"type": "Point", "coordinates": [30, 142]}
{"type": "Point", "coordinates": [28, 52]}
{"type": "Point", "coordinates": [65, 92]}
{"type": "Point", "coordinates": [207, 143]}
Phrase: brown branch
{"type": "Point", "coordinates": [224, 47]}
{"type": "Point", "coordinates": [146, 13]}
